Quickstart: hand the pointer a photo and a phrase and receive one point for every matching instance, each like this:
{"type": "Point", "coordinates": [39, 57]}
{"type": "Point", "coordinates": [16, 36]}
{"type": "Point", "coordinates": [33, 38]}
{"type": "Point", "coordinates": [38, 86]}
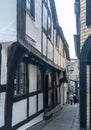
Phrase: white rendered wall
{"type": "Point", "coordinates": [32, 69]}
{"type": "Point", "coordinates": [19, 112]}
{"type": "Point", "coordinates": [52, 31]}
{"type": "Point", "coordinates": [58, 59]}
{"type": "Point", "coordinates": [8, 22]}
{"type": "Point", "coordinates": [32, 105]}
{"type": "Point", "coordinates": [58, 52]}
{"type": "Point", "coordinates": [2, 108]}
{"type": "Point", "coordinates": [50, 51]}
{"type": "Point", "coordinates": [33, 27]}
{"type": "Point", "coordinates": [40, 101]}
{"type": "Point", "coordinates": [44, 44]}
{"type": "Point", "coordinates": [4, 64]}
{"type": "Point", "coordinates": [32, 122]}
{"type": "Point", "coordinates": [55, 50]}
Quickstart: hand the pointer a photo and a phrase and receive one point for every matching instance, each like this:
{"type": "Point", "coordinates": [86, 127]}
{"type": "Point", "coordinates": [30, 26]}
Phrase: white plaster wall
{"type": "Point", "coordinates": [33, 27]}
{"type": "Point", "coordinates": [55, 47]}
{"type": "Point", "coordinates": [19, 112]}
{"type": "Point", "coordinates": [50, 51]}
{"type": "Point", "coordinates": [62, 62]}
{"type": "Point", "coordinates": [60, 46]}
{"type": "Point", "coordinates": [58, 52]}
{"type": "Point", "coordinates": [32, 122]}
{"type": "Point", "coordinates": [4, 64]}
{"type": "Point", "coordinates": [44, 44]}
{"type": "Point", "coordinates": [55, 56]}
{"type": "Point", "coordinates": [58, 60]}
{"type": "Point", "coordinates": [52, 31]}
{"type": "Point", "coordinates": [8, 22]}
{"type": "Point", "coordinates": [32, 69]}
{"type": "Point", "coordinates": [32, 105]}
{"type": "Point", "coordinates": [2, 107]}
{"type": "Point", "coordinates": [40, 101]}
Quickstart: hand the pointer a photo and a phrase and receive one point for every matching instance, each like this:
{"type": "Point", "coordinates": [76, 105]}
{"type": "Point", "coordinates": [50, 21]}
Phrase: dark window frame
{"type": "Point", "coordinates": [39, 80]}
{"type": "Point", "coordinates": [30, 8]}
{"type": "Point", "coordinates": [49, 26]}
{"type": "Point", "coordinates": [20, 81]}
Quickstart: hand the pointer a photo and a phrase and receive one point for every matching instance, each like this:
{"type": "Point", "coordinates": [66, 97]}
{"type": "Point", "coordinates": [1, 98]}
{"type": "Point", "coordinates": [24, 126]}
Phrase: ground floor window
{"type": "Point", "coordinates": [20, 80]}
{"type": "Point", "coordinates": [51, 90]}
{"type": "Point", "coordinates": [39, 79]}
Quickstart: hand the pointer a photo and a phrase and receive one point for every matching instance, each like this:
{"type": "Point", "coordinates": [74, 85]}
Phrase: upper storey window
{"type": "Point", "coordinates": [49, 26]}
{"type": "Point", "coordinates": [30, 7]}
{"type": "Point", "coordinates": [45, 1]}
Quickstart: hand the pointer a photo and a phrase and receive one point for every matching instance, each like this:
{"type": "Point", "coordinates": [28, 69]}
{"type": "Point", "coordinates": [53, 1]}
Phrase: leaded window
{"type": "Point", "coordinates": [20, 80]}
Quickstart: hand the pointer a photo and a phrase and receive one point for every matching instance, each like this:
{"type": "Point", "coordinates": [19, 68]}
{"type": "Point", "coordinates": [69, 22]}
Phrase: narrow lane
{"type": "Point", "coordinates": [68, 119]}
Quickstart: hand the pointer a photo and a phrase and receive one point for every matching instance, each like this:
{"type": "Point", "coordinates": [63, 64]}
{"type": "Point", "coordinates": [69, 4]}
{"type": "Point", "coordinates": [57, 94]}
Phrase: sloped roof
{"type": "Point", "coordinates": [66, 47]}
{"type": "Point", "coordinates": [58, 27]}
{"type": "Point", "coordinates": [54, 12]}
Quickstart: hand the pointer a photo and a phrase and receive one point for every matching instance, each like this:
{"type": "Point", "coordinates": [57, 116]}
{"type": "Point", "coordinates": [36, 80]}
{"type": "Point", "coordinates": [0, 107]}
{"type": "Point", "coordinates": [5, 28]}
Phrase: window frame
{"type": "Point", "coordinates": [49, 26]}
{"type": "Point", "coordinates": [31, 9]}
{"type": "Point", "coordinates": [20, 81]}
{"type": "Point", "coordinates": [39, 77]}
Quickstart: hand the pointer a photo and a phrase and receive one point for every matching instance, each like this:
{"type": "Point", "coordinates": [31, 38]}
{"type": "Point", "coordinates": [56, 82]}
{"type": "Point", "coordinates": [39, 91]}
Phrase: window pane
{"type": "Point", "coordinates": [30, 7]}
{"type": "Point", "coordinates": [46, 1]}
{"type": "Point", "coordinates": [28, 4]}
{"type": "Point", "coordinates": [49, 22]}
{"type": "Point", "coordinates": [39, 80]}
{"type": "Point", "coordinates": [49, 26]}
{"type": "Point", "coordinates": [20, 80]}
{"type": "Point", "coordinates": [16, 86]}
{"type": "Point", "coordinates": [50, 97]}
{"type": "Point", "coordinates": [49, 80]}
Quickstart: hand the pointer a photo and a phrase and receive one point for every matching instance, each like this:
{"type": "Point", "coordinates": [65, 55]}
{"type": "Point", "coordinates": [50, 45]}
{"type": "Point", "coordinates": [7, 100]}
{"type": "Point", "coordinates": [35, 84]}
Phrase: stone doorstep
{"type": "Point", "coordinates": [49, 114]}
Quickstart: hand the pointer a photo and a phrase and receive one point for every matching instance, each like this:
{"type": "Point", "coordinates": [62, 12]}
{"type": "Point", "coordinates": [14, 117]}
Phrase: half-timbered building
{"type": "Point", "coordinates": [33, 54]}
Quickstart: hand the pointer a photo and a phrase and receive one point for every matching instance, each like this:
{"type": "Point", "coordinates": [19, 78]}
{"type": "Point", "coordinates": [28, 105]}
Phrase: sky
{"type": "Point", "coordinates": [66, 17]}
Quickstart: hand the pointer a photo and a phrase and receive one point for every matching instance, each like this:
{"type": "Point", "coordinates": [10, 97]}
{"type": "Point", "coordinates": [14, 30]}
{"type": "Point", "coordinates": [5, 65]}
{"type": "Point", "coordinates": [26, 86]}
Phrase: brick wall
{"type": "Point", "coordinates": [84, 30]}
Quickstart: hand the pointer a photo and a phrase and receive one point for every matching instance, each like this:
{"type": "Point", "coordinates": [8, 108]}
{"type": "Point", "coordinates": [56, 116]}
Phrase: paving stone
{"type": "Point", "coordinates": [66, 119]}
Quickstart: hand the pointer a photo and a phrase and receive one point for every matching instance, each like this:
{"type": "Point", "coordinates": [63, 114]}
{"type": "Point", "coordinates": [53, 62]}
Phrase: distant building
{"type": "Point", "coordinates": [73, 76]}
{"type": "Point", "coordinates": [83, 45]}
{"type": "Point", "coordinates": [33, 55]}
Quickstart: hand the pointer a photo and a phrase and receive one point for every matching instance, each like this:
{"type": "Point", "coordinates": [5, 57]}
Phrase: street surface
{"type": "Point", "coordinates": [66, 119]}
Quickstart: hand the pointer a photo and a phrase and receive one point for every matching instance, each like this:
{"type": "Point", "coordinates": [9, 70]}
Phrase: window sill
{"type": "Point", "coordinates": [32, 17]}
